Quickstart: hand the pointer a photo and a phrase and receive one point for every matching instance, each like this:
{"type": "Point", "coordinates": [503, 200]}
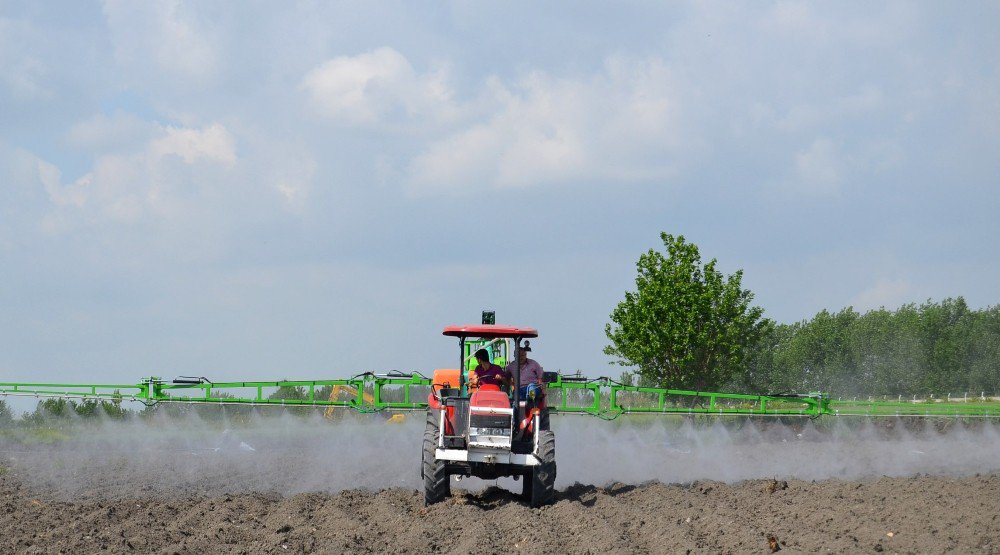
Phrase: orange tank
{"type": "Point", "coordinates": [445, 377]}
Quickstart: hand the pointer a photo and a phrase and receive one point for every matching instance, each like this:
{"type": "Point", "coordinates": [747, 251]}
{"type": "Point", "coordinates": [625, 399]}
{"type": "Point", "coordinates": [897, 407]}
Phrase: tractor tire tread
{"type": "Point", "coordinates": [437, 483]}
{"type": "Point", "coordinates": [543, 476]}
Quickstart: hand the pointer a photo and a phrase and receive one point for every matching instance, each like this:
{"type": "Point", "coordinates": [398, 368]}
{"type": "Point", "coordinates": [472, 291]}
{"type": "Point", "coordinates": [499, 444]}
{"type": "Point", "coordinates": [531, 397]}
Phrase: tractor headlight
{"type": "Point", "coordinates": [489, 431]}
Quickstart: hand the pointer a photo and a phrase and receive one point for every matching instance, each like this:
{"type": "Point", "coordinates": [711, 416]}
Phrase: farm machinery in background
{"type": "Point", "coordinates": [349, 392]}
{"type": "Point", "coordinates": [490, 433]}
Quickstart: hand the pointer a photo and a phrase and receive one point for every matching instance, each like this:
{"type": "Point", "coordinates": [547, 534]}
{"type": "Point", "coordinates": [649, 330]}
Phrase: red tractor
{"type": "Point", "coordinates": [486, 432]}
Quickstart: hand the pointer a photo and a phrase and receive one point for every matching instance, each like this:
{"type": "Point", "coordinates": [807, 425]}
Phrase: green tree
{"type": "Point", "coordinates": [984, 377]}
{"type": "Point", "coordinates": [934, 348]}
{"type": "Point", "coordinates": [818, 355]}
{"type": "Point", "coordinates": [293, 393]}
{"type": "Point", "coordinates": [51, 410]}
{"type": "Point", "coordinates": [6, 415]}
{"type": "Point", "coordinates": [92, 408]}
{"type": "Point", "coordinates": [762, 374]}
{"type": "Point", "coordinates": [56, 408]}
{"type": "Point", "coordinates": [946, 330]}
{"type": "Point", "coordinates": [289, 392]}
{"type": "Point", "coordinates": [323, 393]}
{"type": "Point", "coordinates": [686, 325]}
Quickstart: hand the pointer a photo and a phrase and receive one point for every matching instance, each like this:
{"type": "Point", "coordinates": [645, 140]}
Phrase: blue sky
{"type": "Point", "coordinates": [314, 189]}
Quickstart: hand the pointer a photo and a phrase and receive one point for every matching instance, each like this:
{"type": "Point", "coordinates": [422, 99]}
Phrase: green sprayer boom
{"type": "Point", "coordinates": [567, 394]}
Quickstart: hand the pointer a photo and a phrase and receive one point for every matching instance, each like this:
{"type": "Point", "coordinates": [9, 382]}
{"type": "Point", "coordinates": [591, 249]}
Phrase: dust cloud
{"type": "Point", "coordinates": [186, 455]}
{"type": "Point", "coordinates": [709, 448]}
{"type": "Point", "coordinates": [286, 454]}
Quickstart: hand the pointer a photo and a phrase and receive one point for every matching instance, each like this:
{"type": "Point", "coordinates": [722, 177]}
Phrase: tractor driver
{"type": "Point", "coordinates": [488, 374]}
{"type": "Point", "coordinates": [530, 388]}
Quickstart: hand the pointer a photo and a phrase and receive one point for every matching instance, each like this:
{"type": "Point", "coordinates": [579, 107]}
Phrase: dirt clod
{"type": "Point", "coordinates": [776, 485]}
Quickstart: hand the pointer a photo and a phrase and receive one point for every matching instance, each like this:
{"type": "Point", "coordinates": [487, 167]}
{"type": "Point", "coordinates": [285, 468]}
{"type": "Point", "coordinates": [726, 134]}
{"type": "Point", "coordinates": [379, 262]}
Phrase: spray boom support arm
{"type": "Point", "coordinates": [602, 397]}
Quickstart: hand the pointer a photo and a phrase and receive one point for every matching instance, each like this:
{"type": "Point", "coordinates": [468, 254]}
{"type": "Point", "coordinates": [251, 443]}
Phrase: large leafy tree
{"type": "Point", "coordinates": [686, 325]}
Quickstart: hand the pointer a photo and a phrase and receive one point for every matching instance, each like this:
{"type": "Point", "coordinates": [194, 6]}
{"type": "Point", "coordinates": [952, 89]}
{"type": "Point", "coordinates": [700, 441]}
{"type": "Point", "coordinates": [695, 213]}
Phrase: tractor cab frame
{"type": "Point", "coordinates": [488, 335]}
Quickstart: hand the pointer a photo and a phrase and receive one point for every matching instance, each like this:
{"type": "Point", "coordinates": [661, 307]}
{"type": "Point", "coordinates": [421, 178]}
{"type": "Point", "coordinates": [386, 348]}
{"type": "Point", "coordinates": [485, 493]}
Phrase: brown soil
{"type": "Point", "coordinates": [293, 485]}
{"type": "Point", "coordinates": [893, 515]}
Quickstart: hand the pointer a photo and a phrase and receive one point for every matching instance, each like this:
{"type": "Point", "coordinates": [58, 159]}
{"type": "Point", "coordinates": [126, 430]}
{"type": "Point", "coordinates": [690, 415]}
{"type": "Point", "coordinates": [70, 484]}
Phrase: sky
{"type": "Point", "coordinates": [310, 190]}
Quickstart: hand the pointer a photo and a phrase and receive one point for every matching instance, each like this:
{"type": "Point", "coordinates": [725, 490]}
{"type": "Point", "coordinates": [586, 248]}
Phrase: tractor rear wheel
{"type": "Point", "coordinates": [543, 477]}
{"type": "Point", "coordinates": [437, 484]}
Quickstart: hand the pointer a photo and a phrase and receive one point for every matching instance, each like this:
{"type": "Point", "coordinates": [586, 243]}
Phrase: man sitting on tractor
{"type": "Point", "coordinates": [487, 375]}
{"type": "Point", "coordinates": [530, 388]}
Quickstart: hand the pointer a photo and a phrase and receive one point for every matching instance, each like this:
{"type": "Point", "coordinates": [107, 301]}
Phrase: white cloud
{"type": "Point", "coordinates": [378, 85]}
{"type": "Point", "coordinates": [22, 196]}
{"type": "Point", "coordinates": [293, 180]}
{"type": "Point", "coordinates": [117, 132]}
{"type": "Point", "coordinates": [25, 79]}
{"type": "Point", "coordinates": [126, 187]}
{"type": "Point", "coordinates": [22, 73]}
{"type": "Point", "coordinates": [810, 115]}
{"type": "Point", "coordinates": [621, 124]}
{"type": "Point", "coordinates": [211, 143]}
{"type": "Point", "coordinates": [162, 42]}
{"type": "Point", "coordinates": [712, 102]}
{"type": "Point", "coordinates": [819, 168]}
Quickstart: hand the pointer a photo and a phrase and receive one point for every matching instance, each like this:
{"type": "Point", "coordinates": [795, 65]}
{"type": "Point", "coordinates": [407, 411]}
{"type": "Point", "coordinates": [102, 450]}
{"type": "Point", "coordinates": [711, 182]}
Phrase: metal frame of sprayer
{"type": "Point", "coordinates": [568, 394]}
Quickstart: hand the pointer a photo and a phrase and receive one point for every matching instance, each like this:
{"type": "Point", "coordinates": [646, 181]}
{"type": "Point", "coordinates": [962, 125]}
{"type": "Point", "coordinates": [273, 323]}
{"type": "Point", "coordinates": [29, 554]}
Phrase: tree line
{"type": "Point", "coordinates": [935, 348]}
{"type": "Point", "coordinates": [60, 411]}
{"type": "Point", "coordinates": [57, 411]}
{"type": "Point", "coordinates": [688, 326]}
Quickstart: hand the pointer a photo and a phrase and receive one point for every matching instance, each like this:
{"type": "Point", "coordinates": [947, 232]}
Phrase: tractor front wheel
{"type": "Point", "coordinates": [542, 478]}
{"type": "Point", "coordinates": [437, 484]}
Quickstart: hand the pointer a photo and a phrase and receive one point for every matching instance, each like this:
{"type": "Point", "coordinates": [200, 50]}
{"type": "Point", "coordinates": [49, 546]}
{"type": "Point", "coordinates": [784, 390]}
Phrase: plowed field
{"type": "Point", "coordinates": [294, 488]}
